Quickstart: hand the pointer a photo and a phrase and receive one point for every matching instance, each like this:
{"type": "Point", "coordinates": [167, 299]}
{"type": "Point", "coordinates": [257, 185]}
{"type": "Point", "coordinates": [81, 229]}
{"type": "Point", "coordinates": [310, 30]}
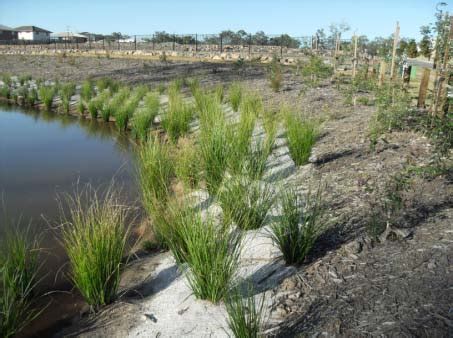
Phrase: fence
{"type": "Point", "coordinates": [248, 44]}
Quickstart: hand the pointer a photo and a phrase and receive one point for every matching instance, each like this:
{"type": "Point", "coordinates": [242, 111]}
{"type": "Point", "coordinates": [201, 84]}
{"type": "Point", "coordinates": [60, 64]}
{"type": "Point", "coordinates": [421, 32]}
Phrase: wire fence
{"type": "Point", "coordinates": [192, 43]}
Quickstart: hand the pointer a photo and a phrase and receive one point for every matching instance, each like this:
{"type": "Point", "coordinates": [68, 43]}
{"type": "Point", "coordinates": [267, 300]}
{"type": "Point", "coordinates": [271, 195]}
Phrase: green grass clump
{"type": "Point", "coordinates": [18, 280]}
{"type": "Point", "coordinates": [245, 314]}
{"type": "Point", "coordinates": [235, 95]}
{"type": "Point", "coordinates": [46, 95]}
{"type": "Point", "coordinates": [24, 79]}
{"type": "Point", "coordinates": [96, 103]}
{"type": "Point", "coordinates": [301, 136]}
{"type": "Point", "coordinates": [6, 79]}
{"type": "Point", "coordinates": [66, 91]}
{"type": "Point", "coordinates": [161, 88]}
{"type": "Point", "coordinates": [141, 123]}
{"type": "Point", "coordinates": [126, 111]}
{"type": "Point", "coordinates": [193, 84]}
{"type": "Point", "coordinates": [252, 103]}
{"type": "Point", "coordinates": [275, 74]}
{"type": "Point", "coordinates": [219, 93]}
{"type": "Point", "coordinates": [111, 106]}
{"type": "Point", "coordinates": [297, 229]}
{"type": "Point", "coordinates": [187, 163]}
{"type": "Point", "coordinates": [245, 202]}
{"type": "Point", "coordinates": [87, 90]}
{"type": "Point", "coordinates": [176, 121]}
{"type": "Point", "coordinates": [215, 153]}
{"type": "Point", "coordinates": [212, 258]}
{"type": "Point", "coordinates": [155, 173]}
{"type": "Point", "coordinates": [107, 83]}
{"type": "Point", "coordinates": [5, 91]}
{"type": "Point", "coordinates": [32, 97]}
{"type": "Point", "coordinates": [81, 107]}
{"type": "Point", "coordinates": [95, 237]}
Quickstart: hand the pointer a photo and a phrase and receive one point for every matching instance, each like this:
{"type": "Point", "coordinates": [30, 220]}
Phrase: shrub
{"type": "Point", "coordinates": [235, 95]}
{"type": "Point", "coordinates": [297, 229]}
{"type": "Point", "coordinates": [315, 69]}
{"type": "Point", "coordinates": [275, 74]}
{"type": "Point", "coordinates": [95, 237]}
{"type": "Point", "coordinates": [18, 280]}
{"type": "Point", "coordinates": [46, 95]}
{"type": "Point", "coordinates": [187, 163]}
{"type": "Point", "coordinates": [176, 121]}
{"type": "Point", "coordinates": [301, 136]}
{"type": "Point", "coordinates": [245, 314]}
{"type": "Point", "coordinates": [245, 202]}
{"type": "Point", "coordinates": [212, 258]}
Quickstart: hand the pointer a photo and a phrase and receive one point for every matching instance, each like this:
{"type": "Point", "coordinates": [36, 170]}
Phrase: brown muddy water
{"type": "Point", "coordinates": [44, 156]}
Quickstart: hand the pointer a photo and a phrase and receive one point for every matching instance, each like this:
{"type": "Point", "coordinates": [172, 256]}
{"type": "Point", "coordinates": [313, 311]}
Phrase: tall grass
{"type": "Point", "coordinates": [66, 91]}
{"type": "Point", "coordinates": [107, 83]}
{"type": "Point", "coordinates": [235, 95]}
{"type": "Point", "coordinates": [95, 237]}
{"type": "Point", "coordinates": [301, 136]}
{"type": "Point", "coordinates": [245, 313]}
{"type": "Point", "coordinates": [144, 117]}
{"type": "Point", "coordinates": [126, 111]}
{"type": "Point", "coordinates": [87, 90]}
{"type": "Point", "coordinates": [32, 97]}
{"type": "Point", "coordinates": [5, 91]}
{"type": "Point", "coordinates": [212, 258]}
{"type": "Point", "coordinates": [219, 93]}
{"type": "Point", "coordinates": [155, 172]}
{"type": "Point", "coordinates": [6, 79]}
{"type": "Point", "coordinates": [252, 103]}
{"type": "Point", "coordinates": [245, 202]}
{"type": "Point", "coordinates": [187, 163]}
{"type": "Point", "coordinates": [95, 104]}
{"type": "Point", "coordinates": [18, 280]}
{"type": "Point", "coordinates": [298, 227]}
{"type": "Point", "coordinates": [46, 95]}
{"type": "Point", "coordinates": [110, 107]}
{"type": "Point", "coordinates": [275, 74]}
{"type": "Point", "coordinates": [176, 121]}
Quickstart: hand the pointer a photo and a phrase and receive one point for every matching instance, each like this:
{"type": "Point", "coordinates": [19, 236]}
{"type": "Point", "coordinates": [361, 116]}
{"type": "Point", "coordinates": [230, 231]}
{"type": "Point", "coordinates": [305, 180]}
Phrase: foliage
{"type": "Point", "coordinates": [245, 202]}
{"type": "Point", "coordinates": [301, 136]}
{"type": "Point", "coordinates": [298, 227]}
{"type": "Point", "coordinates": [95, 237]}
{"type": "Point", "coordinates": [245, 314]}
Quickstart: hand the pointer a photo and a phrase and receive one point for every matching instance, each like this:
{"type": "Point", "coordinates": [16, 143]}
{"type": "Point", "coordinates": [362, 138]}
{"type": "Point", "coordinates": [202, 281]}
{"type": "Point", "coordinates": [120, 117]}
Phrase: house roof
{"type": "Point", "coordinates": [68, 35]}
{"type": "Point", "coordinates": [6, 28]}
{"type": "Point", "coordinates": [31, 29]}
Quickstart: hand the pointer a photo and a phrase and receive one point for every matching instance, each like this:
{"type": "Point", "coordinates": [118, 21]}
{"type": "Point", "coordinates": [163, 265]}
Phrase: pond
{"type": "Point", "coordinates": [44, 156]}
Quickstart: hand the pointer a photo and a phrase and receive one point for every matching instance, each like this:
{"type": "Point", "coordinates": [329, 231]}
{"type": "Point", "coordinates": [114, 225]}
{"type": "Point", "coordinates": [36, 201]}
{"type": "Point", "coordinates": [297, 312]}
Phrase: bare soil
{"type": "Point", "coordinates": [351, 285]}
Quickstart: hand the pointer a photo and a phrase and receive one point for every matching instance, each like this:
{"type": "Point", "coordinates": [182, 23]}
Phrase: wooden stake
{"type": "Point", "coordinates": [395, 44]}
{"type": "Point", "coordinates": [441, 93]}
{"type": "Point", "coordinates": [354, 60]}
{"type": "Point", "coordinates": [423, 88]}
{"type": "Point", "coordinates": [382, 69]}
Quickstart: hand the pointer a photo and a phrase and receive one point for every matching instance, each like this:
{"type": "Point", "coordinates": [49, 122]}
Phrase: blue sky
{"type": "Point", "coordinates": [297, 18]}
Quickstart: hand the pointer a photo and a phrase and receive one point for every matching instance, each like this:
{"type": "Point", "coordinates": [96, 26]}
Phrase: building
{"type": "Point", "coordinates": [7, 33]}
{"type": "Point", "coordinates": [32, 33]}
{"type": "Point", "coordinates": [69, 37]}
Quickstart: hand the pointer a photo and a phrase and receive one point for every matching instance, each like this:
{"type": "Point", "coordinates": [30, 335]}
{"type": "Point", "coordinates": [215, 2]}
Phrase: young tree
{"type": "Point", "coordinates": [425, 43]}
{"type": "Point", "coordinates": [411, 50]}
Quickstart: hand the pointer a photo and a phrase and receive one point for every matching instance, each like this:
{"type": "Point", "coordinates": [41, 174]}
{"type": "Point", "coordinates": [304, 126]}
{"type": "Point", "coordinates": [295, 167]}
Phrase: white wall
{"type": "Point", "coordinates": [34, 36]}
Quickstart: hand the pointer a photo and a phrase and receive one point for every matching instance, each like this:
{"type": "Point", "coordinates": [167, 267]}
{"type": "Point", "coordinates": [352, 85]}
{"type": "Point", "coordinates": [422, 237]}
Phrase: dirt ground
{"type": "Point", "coordinates": [350, 285]}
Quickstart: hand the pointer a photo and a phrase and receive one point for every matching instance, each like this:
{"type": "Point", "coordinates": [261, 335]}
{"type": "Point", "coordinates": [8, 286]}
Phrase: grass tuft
{"type": "Point", "coordinates": [187, 163]}
{"type": "Point", "coordinates": [245, 202]}
{"type": "Point", "coordinates": [301, 136]}
{"type": "Point", "coordinates": [95, 237]}
{"type": "Point", "coordinates": [176, 121]}
{"type": "Point", "coordinates": [46, 95]}
{"type": "Point", "coordinates": [18, 280]}
{"type": "Point", "coordinates": [296, 231]}
{"type": "Point", "coordinates": [245, 314]}
{"type": "Point", "coordinates": [235, 95]}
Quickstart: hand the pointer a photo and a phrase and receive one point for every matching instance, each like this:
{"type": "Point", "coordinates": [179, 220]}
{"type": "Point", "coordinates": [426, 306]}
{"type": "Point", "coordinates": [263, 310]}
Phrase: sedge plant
{"type": "Point", "coordinates": [95, 236]}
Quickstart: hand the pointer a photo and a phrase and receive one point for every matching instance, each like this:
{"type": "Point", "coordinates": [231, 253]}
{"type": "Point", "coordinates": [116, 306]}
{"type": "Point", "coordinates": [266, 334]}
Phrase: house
{"type": "Point", "coordinates": [69, 37]}
{"type": "Point", "coordinates": [32, 33]}
{"type": "Point", "coordinates": [7, 33]}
